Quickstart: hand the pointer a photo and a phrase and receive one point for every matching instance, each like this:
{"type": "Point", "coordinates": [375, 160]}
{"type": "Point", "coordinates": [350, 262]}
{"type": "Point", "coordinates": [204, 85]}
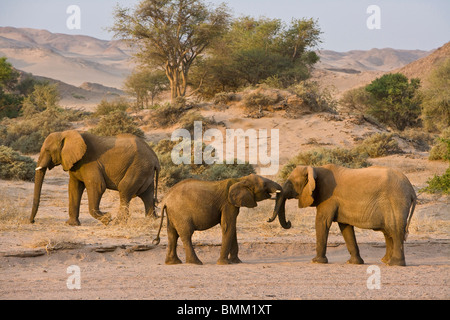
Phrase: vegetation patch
{"type": "Point", "coordinates": [14, 166]}
{"type": "Point", "coordinates": [323, 156]}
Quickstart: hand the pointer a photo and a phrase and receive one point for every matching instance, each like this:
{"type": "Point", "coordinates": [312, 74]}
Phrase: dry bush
{"type": "Point", "coordinates": [106, 107]}
{"type": "Point", "coordinates": [115, 123]}
{"type": "Point", "coordinates": [379, 145]}
{"type": "Point", "coordinates": [323, 156]}
{"type": "Point", "coordinates": [165, 115]}
{"type": "Point", "coordinates": [171, 173]}
{"type": "Point", "coordinates": [14, 166]}
{"type": "Point", "coordinates": [441, 148]}
{"type": "Point", "coordinates": [11, 214]}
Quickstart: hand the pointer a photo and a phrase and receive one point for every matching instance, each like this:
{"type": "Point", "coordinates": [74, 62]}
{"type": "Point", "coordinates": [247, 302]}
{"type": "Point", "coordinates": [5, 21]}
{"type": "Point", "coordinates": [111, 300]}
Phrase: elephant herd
{"type": "Point", "coordinates": [375, 198]}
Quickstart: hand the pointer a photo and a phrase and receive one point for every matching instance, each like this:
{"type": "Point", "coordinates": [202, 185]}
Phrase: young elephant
{"type": "Point", "coordinates": [199, 205]}
{"type": "Point", "coordinates": [375, 198]}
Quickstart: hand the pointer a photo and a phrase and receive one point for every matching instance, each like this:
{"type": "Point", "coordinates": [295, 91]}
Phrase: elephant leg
{"type": "Point", "coordinates": [76, 188]}
{"type": "Point", "coordinates": [191, 256]}
{"type": "Point", "coordinates": [172, 237]}
{"type": "Point", "coordinates": [389, 246]}
{"type": "Point", "coordinates": [124, 212]}
{"type": "Point", "coordinates": [229, 238]}
{"type": "Point", "coordinates": [324, 218]}
{"type": "Point", "coordinates": [149, 203]}
{"type": "Point", "coordinates": [95, 193]}
{"type": "Point", "coordinates": [348, 232]}
{"type": "Point", "coordinates": [234, 250]}
{"type": "Point", "coordinates": [398, 255]}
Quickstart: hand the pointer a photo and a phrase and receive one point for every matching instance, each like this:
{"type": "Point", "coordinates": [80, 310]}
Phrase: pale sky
{"type": "Point", "coordinates": [404, 24]}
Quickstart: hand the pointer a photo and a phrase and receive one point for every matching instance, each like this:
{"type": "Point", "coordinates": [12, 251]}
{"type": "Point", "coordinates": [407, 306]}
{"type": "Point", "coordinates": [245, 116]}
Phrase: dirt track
{"type": "Point", "coordinates": [269, 271]}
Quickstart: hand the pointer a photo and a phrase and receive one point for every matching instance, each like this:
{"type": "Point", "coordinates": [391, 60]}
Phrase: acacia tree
{"type": "Point", "coordinates": [145, 84]}
{"type": "Point", "coordinates": [253, 50]}
{"type": "Point", "coordinates": [170, 35]}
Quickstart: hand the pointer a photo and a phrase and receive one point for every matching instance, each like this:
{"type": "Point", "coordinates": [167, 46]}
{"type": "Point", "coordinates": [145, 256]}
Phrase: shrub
{"type": "Point", "coordinates": [355, 100]}
{"type": "Point", "coordinates": [315, 98]}
{"type": "Point", "coordinates": [224, 97]}
{"type": "Point", "coordinates": [14, 166]}
{"type": "Point", "coordinates": [394, 100]}
{"type": "Point", "coordinates": [26, 134]}
{"type": "Point", "coordinates": [188, 119]}
{"type": "Point", "coordinates": [441, 149]}
{"type": "Point", "coordinates": [166, 115]}
{"type": "Point", "coordinates": [171, 173]}
{"type": "Point", "coordinates": [436, 106]}
{"type": "Point", "coordinates": [379, 145]}
{"type": "Point", "coordinates": [115, 123]}
{"type": "Point", "coordinates": [106, 107]}
{"type": "Point", "coordinates": [257, 102]}
{"type": "Point", "coordinates": [322, 156]}
{"type": "Point", "coordinates": [438, 184]}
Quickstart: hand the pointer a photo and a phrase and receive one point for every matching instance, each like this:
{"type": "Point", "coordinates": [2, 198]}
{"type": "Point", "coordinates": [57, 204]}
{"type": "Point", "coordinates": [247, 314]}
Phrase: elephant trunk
{"type": "Point", "coordinates": [38, 180]}
{"type": "Point", "coordinates": [280, 211]}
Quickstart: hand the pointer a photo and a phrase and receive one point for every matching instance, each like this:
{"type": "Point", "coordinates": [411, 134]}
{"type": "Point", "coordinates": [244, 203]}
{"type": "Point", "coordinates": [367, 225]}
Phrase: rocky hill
{"type": "Point", "coordinates": [422, 68]}
{"type": "Point", "coordinates": [73, 59]}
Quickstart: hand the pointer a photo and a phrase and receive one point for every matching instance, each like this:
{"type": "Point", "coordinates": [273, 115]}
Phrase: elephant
{"type": "Point", "coordinates": [377, 198]}
{"type": "Point", "coordinates": [124, 163]}
{"type": "Point", "coordinates": [193, 205]}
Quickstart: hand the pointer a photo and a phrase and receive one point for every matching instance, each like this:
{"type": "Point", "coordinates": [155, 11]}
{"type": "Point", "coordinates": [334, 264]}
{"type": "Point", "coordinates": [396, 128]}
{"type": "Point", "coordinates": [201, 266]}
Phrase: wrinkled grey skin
{"type": "Point", "coordinates": [375, 198]}
{"type": "Point", "coordinates": [124, 163]}
{"type": "Point", "coordinates": [199, 205]}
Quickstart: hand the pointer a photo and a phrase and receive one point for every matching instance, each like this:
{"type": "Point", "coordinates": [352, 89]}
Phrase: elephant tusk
{"type": "Point", "coordinates": [38, 168]}
{"type": "Point", "coordinates": [278, 191]}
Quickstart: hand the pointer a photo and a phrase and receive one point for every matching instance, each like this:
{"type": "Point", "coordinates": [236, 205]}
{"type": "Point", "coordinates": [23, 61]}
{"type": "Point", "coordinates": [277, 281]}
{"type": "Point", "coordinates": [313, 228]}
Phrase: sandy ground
{"type": "Point", "coordinates": [276, 262]}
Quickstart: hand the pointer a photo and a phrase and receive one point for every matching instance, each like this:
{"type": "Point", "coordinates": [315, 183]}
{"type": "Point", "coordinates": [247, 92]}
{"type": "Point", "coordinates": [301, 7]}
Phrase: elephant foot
{"type": "Point", "coordinates": [223, 261]}
{"type": "Point", "coordinates": [396, 262]}
{"type": "Point", "coordinates": [320, 260]}
{"type": "Point", "coordinates": [355, 260]}
{"type": "Point", "coordinates": [171, 261]}
{"type": "Point", "coordinates": [152, 215]}
{"type": "Point", "coordinates": [104, 218]}
{"type": "Point", "coordinates": [119, 220]}
{"type": "Point", "coordinates": [235, 260]}
{"type": "Point", "coordinates": [194, 261]}
{"type": "Point", "coordinates": [385, 259]}
{"type": "Point", "coordinates": [73, 222]}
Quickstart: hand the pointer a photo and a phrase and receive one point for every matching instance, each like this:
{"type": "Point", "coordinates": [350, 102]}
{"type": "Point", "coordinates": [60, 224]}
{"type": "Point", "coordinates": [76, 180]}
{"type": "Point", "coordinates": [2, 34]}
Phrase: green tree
{"type": "Point", "coordinates": [436, 105]}
{"type": "Point", "coordinates": [43, 97]}
{"type": "Point", "coordinates": [170, 35]}
{"type": "Point", "coordinates": [146, 85]}
{"type": "Point", "coordinates": [8, 75]}
{"type": "Point", "coordinates": [9, 102]}
{"type": "Point", "coordinates": [394, 100]}
{"type": "Point", "coordinates": [254, 50]}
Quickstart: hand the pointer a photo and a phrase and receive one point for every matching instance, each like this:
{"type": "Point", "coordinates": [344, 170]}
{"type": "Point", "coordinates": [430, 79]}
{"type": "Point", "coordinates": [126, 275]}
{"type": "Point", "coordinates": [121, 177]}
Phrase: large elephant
{"type": "Point", "coordinates": [199, 205]}
{"type": "Point", "coordinates": [375, 198]}
{"type": "Point", "coordinates": [124, 163]}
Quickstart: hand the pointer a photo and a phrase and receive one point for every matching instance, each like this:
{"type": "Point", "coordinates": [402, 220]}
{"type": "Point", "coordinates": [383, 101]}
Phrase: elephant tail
{"type": "Point", "coordinates": [158, 239]}
{"type": "Point", "coordinates": [411, 211]}
{"type": "Point", "coordinates": [157, 169]}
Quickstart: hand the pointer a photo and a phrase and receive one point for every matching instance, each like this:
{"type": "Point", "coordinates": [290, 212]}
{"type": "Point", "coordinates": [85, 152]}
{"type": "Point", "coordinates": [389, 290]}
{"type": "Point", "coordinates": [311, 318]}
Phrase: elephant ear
{"type": "Point", "coordinates": [73, 149]}
{"type": "Point", "coordinates": [240, 195]}
{"type": "Point", "coordinates": [306, 197]}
